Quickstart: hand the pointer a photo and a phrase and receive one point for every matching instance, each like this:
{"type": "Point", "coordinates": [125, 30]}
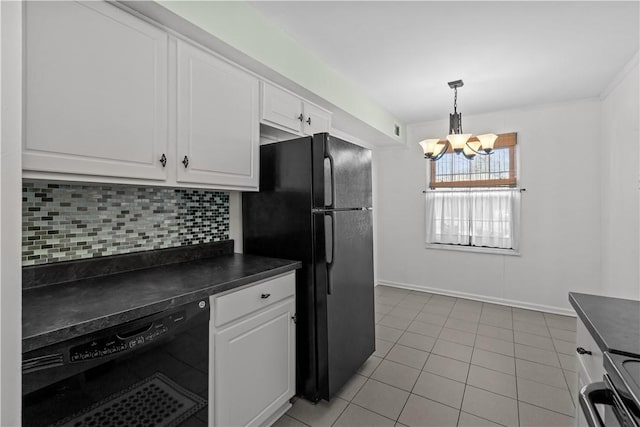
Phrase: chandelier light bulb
{"type": "Point", "coordinates": [458, 141]}
{"type": "Point", "coordinates": [468, 152]}
{"type": "Point", "coordinates": [429, 147]}
{"type": "Point", "coordinates": [439, 148]}
{"type": "Point", "coordinates": [487, 140]}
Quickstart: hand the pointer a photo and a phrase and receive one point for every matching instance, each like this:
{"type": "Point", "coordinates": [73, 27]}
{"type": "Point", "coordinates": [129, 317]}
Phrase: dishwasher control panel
{"type": "Point", "coordinates": [129, 337]}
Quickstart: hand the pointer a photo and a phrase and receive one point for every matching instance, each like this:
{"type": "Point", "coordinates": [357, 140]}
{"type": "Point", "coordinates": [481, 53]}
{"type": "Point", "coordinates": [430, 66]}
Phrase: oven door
{"type": "Point", "coordinates": [616, 414]}
{"type": "Point", "coordinates": [150, 371]}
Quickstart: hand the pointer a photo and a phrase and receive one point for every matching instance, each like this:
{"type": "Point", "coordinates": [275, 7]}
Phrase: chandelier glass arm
{"type": "Point", "coordinates": [482, 153]}
{"type": "Point", "coordinates": [446, 147]}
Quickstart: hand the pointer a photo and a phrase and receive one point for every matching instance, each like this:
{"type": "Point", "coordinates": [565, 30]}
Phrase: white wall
{"type": "Point", "coordinates": [620, 213]}
{"type": "Point", "coordinates": [559, 149]}
{"type": "Point", "coordinates": [10, 211]}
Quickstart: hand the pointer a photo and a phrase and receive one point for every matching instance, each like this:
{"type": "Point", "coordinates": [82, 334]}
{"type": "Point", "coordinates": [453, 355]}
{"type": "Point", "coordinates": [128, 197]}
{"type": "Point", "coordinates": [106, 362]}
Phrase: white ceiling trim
{"type": "Point", "coordinates": [621, 75]}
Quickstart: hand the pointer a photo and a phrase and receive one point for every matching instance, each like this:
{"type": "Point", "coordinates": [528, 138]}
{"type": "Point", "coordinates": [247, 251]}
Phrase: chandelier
{"type": "Point", "coordinates": [458, 141]}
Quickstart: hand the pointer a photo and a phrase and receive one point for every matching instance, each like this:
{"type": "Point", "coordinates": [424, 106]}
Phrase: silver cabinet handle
{"type": "Point", "coordinates": [581, 350]}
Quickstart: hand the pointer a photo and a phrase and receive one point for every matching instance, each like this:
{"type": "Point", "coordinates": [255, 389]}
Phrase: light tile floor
{"type": "Point", "coordinates": [443, 361]}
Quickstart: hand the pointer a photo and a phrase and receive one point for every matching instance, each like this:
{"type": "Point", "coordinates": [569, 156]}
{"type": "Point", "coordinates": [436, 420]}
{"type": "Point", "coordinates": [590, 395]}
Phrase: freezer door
{"type": "Point", "coordinates": [342, 173]}
{"type": "Point", "coordinates": [344, 286]}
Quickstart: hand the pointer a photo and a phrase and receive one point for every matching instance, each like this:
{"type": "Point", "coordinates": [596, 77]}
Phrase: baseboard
{"type": "Point", "coordinates": [483, 298]}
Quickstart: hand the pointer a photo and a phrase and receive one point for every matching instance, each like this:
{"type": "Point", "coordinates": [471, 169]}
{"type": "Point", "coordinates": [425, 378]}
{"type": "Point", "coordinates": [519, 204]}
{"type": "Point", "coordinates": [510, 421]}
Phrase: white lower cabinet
{"type": "Point", "coordinates": [590, 366]}
{"type": "Point", "coordinates": [252, 358]}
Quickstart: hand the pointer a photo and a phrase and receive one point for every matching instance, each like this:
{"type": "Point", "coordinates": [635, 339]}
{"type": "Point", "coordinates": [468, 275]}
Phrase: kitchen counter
{"type": "Point", "coordinates": [61, 311]}
{"type": "Point", "coordinates": [614, 323]}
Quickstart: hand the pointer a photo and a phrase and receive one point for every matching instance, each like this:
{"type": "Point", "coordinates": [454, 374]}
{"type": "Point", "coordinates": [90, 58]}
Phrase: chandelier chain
{"type": "Point", "coordinates": [455, 100]}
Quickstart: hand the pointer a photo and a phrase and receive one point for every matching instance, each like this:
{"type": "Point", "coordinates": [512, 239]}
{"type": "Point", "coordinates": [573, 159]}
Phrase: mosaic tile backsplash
{"type": "Point", "coordinates": [62, 222]}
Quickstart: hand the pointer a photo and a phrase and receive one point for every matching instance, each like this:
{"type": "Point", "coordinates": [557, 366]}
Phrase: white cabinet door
{"type": "Point", "coordinates": [590, 366]}
{"type": "Point", "coordinates": [218, 121]}
{"type": "Point", "coordinates": [254, 367]}
{"type": "Point", "coordinates": [96, 91]}
{"type": "Point", "coordinates": [316, 120]}
{"type": "Point", "coordinates": [281, 108]}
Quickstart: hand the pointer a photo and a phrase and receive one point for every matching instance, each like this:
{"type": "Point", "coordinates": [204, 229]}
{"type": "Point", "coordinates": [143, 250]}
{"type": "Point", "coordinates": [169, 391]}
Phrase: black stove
{"type": "Point", "coordinates": [619, 393]}
{"type": "Point", "coordinates": [624, 375]}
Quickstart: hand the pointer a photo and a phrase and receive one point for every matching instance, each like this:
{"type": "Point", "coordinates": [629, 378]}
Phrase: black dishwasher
{"type": "Point", "coordinates": [151, 371]}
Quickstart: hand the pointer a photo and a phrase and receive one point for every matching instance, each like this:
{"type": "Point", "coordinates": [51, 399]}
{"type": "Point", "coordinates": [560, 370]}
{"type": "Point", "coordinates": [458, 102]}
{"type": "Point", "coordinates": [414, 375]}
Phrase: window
{"type": "Point", "coordinates": [475, 203]}
{"type": "Point", "coordinates": [498, 169]}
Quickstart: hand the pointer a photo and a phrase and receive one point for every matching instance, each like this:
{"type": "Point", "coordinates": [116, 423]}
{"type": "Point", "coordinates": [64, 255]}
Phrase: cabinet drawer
{"type": "Point", "coordinates": [240, 303]}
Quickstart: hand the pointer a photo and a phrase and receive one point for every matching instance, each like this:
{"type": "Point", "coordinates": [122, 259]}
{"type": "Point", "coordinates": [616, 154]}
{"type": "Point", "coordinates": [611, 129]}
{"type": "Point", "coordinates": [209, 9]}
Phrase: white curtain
{"type": "Point", "coordinates": [483, 217]}
{"type": "Point", "coordinates": [448, 217]}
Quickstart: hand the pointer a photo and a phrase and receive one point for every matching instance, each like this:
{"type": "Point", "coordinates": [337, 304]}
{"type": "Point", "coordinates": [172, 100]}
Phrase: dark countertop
{"type": "Point", "coordinates": [55, 313]}
{"type": "Point", "coordinates": [614, 323]}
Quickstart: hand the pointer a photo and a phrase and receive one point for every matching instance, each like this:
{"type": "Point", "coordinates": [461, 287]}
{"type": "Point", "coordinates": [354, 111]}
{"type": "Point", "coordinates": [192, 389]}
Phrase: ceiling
{"type": "Point", "coordinates": [509, 54]}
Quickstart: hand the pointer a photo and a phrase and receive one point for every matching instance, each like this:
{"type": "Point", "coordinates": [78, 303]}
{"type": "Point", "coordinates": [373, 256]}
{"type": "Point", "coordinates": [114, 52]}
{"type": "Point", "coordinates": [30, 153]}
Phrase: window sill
{"type": "Point", "coordinates": [476, 249]}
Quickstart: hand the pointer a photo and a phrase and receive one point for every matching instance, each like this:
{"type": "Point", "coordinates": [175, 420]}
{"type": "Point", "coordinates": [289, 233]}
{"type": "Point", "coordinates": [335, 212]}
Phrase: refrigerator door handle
{"type": "Point", "coordinates": [329, 240]}
{"type": "Point", "coordinates": [329, 194]}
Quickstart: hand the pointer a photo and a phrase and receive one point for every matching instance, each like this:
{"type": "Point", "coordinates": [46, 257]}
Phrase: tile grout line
{"type": "Point", "coordinates": [367, 409]}
{"type": "Point", "coordinates": [341, 412]}
{"type": "Point", "coordinates": [487, 350]}
{"type": "Point", "coordinates": [464, 391]}
{"type": "Point", "coordinates": [383, 359]}
{"type": "Point", "coordinates": [561, 367]}
{"type": "Point", "coordinates": [469, 368]}
{"type": "Point", "coordinates": [513, 331]}
{"type": "Point", "coordinates": [482, 418]}
{"type": "Point", "coordinates": [291, 416]}
{"type": "Point", "coordinates": [547, 409]}
{"type": "Point", "coordinates": [515, 367]}
{"type": "Point", "coordinates": [416, 381]}
{"type": "Point", "coordinates": [403, 331]}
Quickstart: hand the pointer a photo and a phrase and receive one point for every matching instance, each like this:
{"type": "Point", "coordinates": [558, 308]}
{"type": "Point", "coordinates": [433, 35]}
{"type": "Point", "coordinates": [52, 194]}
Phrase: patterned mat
{"type": "Point", "coordinates": [155, 401]}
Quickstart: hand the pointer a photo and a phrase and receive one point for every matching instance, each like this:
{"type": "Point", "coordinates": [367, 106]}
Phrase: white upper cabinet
{"type": "Point", "coordinates": [217, 121]}
{"type": "Point", "coordinates": [288, 112]}
{"type": "Point", "coordinates": [111, 97]}
{"type": "Point", "coordinates": [95, 91]}
{"type": "Point", "coordinates": [316, 119]}
{"type": "Point", "coordinates": [282, 108]}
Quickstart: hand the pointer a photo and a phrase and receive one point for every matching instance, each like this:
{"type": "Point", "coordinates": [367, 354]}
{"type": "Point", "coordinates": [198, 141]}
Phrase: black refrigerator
{"type": "Point", "coordinates": [314, 205]}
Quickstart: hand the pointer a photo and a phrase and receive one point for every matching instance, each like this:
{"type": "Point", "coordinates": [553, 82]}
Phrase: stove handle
{"type": "Point", "coordinates": [590, 395]}
{"type": "Point", "coordinates": [125, 334]}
